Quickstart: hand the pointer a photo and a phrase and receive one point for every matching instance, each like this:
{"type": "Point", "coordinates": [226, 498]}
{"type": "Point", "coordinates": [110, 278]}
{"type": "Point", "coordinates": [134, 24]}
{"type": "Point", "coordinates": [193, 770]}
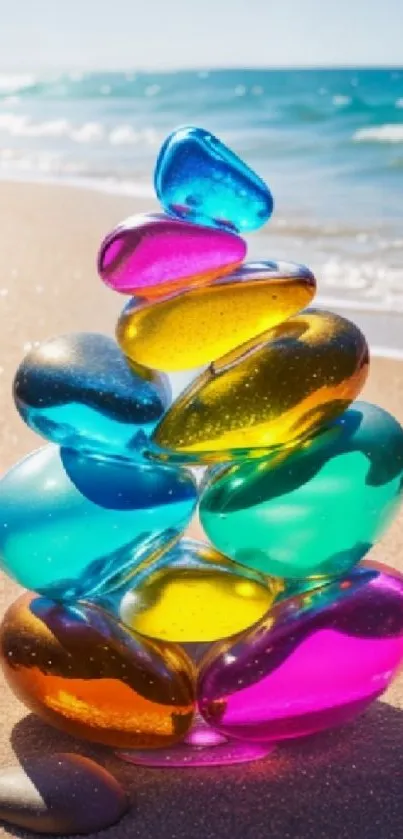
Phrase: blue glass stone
{"type": "Point", "coordinates": [199, 179]}
{"type": "Point", "coordinates": [73, 526]}
{"type": "Point", "coordinates": [80, 391]}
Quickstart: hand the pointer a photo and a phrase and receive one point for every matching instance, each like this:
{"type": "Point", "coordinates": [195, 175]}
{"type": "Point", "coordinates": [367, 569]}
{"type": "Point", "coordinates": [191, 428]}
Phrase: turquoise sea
{"type": "Point", "coordinates": [329, 143]}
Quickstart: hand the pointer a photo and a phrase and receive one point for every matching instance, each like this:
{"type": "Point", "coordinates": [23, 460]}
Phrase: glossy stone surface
{"type": "Point", "coordinates": [152, 254]}
{"type": "Point", "coordinates": [187, 756]}
{"type": "Point", "coordinates": [195, 594]}
{"type": "Point", "coordinates": [79, 390]}
{"type": "Point", "coordinates": [59, 542]}
{"type": "Point", "coordinates": [315, 662]}
{"type": "Point", "coordinates": [301, 375]}
{"type": "Point", "coordinates": [200, 179]}
{"type": "Point", "coordinates": [83, 672]}
{"type": "Point", "coordinates": [202, 746]}
{"type": "Point", "coordinates": [211, 321]}
{"type": "Point", "coordinates": [283, 516]}
{"type": "Point", "coordinates": [61, 794]}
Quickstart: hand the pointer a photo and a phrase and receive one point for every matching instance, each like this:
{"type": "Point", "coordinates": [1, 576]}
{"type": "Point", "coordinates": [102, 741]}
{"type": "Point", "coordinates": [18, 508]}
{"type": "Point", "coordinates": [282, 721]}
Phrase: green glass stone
{"type": "Point", "coordinates": [315, 511]}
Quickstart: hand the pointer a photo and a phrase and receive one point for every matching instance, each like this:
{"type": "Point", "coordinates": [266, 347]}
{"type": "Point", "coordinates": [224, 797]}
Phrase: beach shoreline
{"type": "Point", "coordinates": [49, 285]}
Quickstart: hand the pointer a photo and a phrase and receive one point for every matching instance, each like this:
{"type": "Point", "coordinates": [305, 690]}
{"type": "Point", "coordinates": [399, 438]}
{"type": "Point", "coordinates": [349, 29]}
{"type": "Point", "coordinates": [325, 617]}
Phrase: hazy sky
{"type": "Point", "coordinates": [198, 33]}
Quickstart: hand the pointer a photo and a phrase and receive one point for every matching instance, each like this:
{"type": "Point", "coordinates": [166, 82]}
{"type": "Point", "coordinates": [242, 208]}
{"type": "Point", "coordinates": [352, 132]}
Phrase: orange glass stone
{"type": "Point", "coordinates": [83, 672]}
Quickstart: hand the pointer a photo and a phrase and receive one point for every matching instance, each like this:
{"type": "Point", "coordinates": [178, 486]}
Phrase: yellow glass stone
{"type": "Point", "coordinates": [300, 376]}
{"type": "Point", "coordinates": [195, 594]}
{"type": "Point", "coordinates": [193, 328]}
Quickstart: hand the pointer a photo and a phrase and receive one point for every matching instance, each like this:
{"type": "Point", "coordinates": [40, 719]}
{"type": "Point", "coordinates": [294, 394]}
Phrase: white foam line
{"type": "Point", "coordinates": [389, 133]}
{"type": "Point", "coordinates": [386, 352]}
{"type": "Point", "coordinates": [356, 305]}
{"type": "Point", "coordinates": [108, 186]}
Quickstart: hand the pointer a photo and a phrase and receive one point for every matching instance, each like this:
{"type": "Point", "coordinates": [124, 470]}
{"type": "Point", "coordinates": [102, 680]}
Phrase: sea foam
{"type": "Point", "coordinates": [389, 133]}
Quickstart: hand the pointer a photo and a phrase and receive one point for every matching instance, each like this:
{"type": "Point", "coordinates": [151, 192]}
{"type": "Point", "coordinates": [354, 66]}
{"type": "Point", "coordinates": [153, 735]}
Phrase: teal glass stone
{"type": "Point", "coordinates": [80, 391]}
{"type": "Point", "coordinates": [199, 179]}
{"type": "Point", "coordinates": [315, 511]}
{"type": "Point", "coordinates": [73, 526]}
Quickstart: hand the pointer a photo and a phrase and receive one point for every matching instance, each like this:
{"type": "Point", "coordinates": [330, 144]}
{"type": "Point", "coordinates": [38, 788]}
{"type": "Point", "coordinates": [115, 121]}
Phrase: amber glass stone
{"type": "Point", "coordinates": [301, 375]}
{"type": "Point", "coordinates": [85, 673]}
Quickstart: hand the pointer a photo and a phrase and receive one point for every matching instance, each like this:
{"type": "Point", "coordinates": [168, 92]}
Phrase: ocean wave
{"type": "Point", "coordinates": [22, 125]}
{"type": "Point", "coordinates": [11, 83]}
{"type": "Point", "coordinates": [235, 89]}
{"type": "Point", "coordinates": [340, 100]}
{"type": "Point", "coordinates": [51, 168]}
{"type": "Point", "coordinates": [389, 133]}
{"type": "Point", "coordinates": [315, 230]}
{"type": "Point", "coordinates": [125, 134]}
{"type": "Point", "coordinates": [38, 165]}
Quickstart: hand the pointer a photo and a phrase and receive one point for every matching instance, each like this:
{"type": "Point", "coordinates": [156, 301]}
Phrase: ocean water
{"type": "Point", "coordinates": [329, 143]}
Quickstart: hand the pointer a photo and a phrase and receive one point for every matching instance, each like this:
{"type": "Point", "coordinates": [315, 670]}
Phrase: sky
{"type": "Point", "coordinates": [154, 34]}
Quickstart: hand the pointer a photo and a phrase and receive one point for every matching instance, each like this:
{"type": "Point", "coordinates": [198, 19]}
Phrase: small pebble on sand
{"type": "Point", "coordinates": [61, 794]}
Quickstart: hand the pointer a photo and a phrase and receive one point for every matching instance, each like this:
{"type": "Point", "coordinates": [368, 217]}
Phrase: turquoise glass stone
{"type": "Point", "coordinates": [80, 391]}
{"type": "Point", "coordinates": [71, 537]}
{"type": "Point", "coordinates": [199, 179]}
{"type": "Point", "coordinates": [315, 511]}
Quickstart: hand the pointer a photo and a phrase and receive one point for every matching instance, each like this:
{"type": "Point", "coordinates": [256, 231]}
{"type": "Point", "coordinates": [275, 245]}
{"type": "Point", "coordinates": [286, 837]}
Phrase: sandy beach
{"type": "Point", "coordinates": [339, 785]}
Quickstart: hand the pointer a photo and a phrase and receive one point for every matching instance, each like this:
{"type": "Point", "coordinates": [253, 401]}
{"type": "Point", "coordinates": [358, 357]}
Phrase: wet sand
{"type": "Point", "coordinates": [343, 784]}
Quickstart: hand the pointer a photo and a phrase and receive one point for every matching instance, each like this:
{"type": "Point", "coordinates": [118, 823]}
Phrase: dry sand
{"type": "Point", "coordinates": [342, 785]}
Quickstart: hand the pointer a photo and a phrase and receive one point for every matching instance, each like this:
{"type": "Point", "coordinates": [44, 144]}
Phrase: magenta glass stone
{"type": "Point", "coordinates": [316, 661]}
{"type": "Point", "coordinates": [155, 253]}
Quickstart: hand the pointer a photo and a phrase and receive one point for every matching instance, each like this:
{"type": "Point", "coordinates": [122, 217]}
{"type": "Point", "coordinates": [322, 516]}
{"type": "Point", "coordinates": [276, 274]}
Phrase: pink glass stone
{"type": "Point", "coordinates": [203, 746]}
{"type": "Point", "coordinates": [316, 661]}
{"type": "Point", "coordinates": [154, 254]}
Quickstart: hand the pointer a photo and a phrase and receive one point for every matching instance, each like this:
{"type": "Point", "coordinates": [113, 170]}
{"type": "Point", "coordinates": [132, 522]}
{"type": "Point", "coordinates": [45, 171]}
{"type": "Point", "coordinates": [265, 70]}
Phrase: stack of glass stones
{"type": "Point", "coordinates": [173, 651]}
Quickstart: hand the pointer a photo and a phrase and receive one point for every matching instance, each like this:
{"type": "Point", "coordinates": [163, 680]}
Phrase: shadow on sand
{"type": "Point", "coordinates": [344, 784]}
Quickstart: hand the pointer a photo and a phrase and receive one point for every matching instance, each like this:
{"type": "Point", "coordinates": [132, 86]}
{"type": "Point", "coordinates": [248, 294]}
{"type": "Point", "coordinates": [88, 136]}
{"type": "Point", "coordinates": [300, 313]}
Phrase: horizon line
{"type": "Point", "coordinates": [77, 68]}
